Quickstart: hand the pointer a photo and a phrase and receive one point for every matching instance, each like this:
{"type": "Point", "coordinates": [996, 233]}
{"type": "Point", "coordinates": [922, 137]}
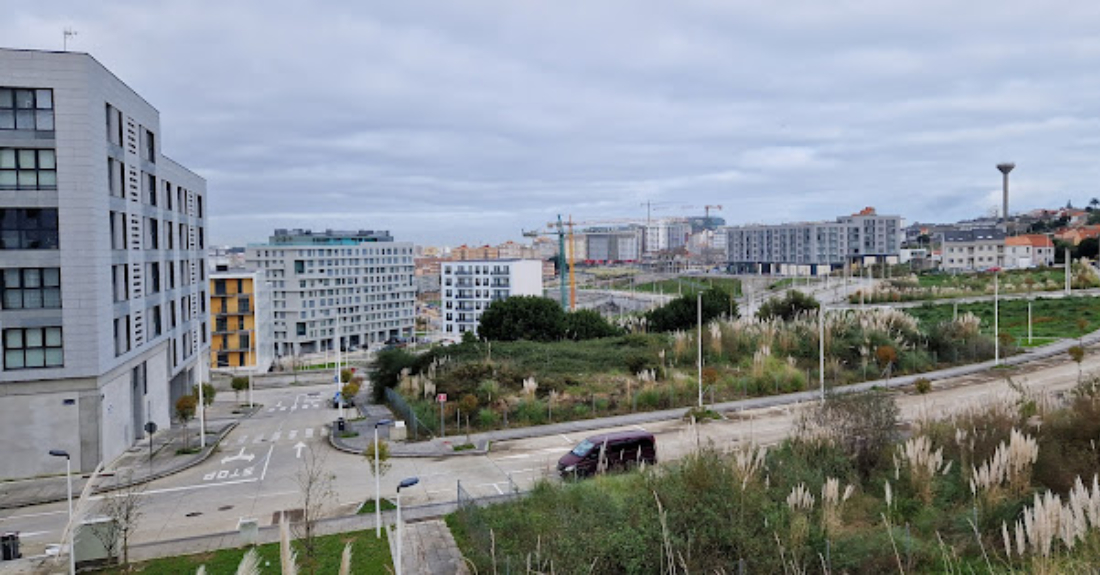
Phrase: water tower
{"type": "Point", "coordinates": [1005, 168]}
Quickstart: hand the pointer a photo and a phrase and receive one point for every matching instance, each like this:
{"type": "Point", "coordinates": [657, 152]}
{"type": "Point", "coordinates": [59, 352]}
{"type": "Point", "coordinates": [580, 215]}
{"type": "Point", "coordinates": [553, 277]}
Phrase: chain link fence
{"type": "Point", "coordinates": [406, 412]}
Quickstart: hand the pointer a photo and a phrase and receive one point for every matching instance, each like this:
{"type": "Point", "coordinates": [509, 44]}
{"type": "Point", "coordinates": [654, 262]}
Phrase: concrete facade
{"type": "Point", "coordinates": [973, 250]}
{"type": "Point", "coordinates": [1029, 251]}
{"type": "Point", "coordinates": [614, 244]}
{"type": "Point", "coordinates": [470, 286]}
{"type": "Point", "coordinates": [336, 288]}
{"type": "Point", "coordinates": [814, 247]}
{"type": "Point", "coordinates": [666, 235]}
{"type": "Point", "coordinates": [102, 236]}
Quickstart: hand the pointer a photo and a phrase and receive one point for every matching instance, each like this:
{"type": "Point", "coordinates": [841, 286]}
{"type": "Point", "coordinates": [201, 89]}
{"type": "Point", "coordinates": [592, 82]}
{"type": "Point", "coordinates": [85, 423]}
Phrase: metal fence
{"type": "Point", "coordinates": [485, 550]}
{"type": "Point", "coordinates": [406, 411]}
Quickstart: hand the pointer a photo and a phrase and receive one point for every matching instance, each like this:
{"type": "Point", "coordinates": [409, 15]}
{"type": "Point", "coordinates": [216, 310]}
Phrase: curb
{"type": "Point", "coordinates": [339, 445]}
{"type": "Point", "coordinates": [108, 488]}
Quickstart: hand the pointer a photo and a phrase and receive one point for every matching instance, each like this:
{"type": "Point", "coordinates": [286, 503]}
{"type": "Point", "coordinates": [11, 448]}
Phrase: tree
{"type": "Point", "coordinates": [239, 384]}
{"type": "Point", "coordinates": [208, 393]}
{"type": "Point", "coordinates": [384, 463]}
{"type": "Point", "coordinates": [315, 485]}
{"type": "Point", "coordinates": [788, 307]}
{"type": "Point", "coordinates": [1094, 203]}
{"type": "Point", "coordinates": [681, 313]}
{"type": "Point", "coordinates": [185, 411]}
{"type": "Point", "coordinates": [1088, 248]}
{"type": "Point", "coordinates": [588, 324]}
{"type": "Point", "coordinates": [530, 318]}
{"type": "Point", "coordinates": [123, 507]}
{"type": "Point", "coordinates": [385, 370]}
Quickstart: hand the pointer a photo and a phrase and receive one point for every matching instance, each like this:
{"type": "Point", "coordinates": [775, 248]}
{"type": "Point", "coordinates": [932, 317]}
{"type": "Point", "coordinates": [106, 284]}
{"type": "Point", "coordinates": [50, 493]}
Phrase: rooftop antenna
{"type": "Point", "coordinates": [69, 32]}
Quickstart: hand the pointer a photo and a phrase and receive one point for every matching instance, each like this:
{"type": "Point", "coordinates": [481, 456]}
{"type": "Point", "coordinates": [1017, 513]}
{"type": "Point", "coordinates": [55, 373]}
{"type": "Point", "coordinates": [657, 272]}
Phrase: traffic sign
{"type": "Point", "coordinates": [151, 427]}
{"type": "Point", "coordinates": [441, 398]}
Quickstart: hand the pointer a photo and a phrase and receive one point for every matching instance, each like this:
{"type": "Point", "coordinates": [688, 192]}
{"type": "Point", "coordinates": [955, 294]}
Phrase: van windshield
{"type": "Point", "coordinates": [583, 448]}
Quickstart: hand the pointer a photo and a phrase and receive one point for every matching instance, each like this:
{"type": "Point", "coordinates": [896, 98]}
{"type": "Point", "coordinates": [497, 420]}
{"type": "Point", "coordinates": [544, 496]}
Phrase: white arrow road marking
{"type": "Point", "coordinates": [240, 456]}
{"type": "Point", "coordinates": [298, 446]}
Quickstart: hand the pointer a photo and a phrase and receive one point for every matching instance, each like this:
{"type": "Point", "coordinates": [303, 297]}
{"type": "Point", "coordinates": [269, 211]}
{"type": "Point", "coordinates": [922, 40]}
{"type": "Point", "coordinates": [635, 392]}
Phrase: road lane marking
{"type": "Point", "coordinates": [309, 433]}
{"type": "Point", "coordinates": [567, 440]}
{"type": "Point", "coordinates": [293, 434]}
{"type": "Point", "coordinates": [28, 516]}
{"type": "Point", "coordinates": [640, 428]}
{"type": "Point", "coordinates": [517, 456]}
{"type": "Point", "coordinates": [275, 436]}
{"type": "Point", "coordinates": [259, 439]}
{"type": "Point", "coordinates": [266, 461]}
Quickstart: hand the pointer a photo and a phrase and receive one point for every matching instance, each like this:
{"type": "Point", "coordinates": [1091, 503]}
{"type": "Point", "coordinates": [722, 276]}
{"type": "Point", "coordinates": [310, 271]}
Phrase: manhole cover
{"type": "Point", "coordinates": [194, 514]}
{"type": "Point", "coordinates": [225, 508]}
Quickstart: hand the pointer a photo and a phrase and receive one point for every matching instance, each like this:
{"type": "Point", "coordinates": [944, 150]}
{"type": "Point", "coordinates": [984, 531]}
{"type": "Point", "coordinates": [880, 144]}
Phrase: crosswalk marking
{"type": "Point", "coordinates": [259, 439]}
{"type": "Point", "coordinates": [309, 433]}
{"type": "Point", "coordinates": [293, 434]}
{"type": "Point", "coordinates": [242, 439]}
{"type": "Point", "coordinates": [275, 436]}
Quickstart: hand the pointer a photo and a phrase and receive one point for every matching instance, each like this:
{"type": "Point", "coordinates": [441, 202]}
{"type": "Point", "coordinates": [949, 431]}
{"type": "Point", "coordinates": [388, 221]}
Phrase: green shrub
{"type": "Point", "coordinates": [648, 399]}
{"type": "Point", "coordinates": [487, 418]}
{"type": "Point", "coordinates": [923, 385]}
{"type": "Point", "coordinates": [530, 411]}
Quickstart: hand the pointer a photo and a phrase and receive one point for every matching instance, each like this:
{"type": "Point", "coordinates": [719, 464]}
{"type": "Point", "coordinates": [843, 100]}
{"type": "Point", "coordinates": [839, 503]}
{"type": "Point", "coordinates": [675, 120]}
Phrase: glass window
{"type": "Point", "coordinates": [32, 347]}
{"type": "Point", "coordinates": [22, 169]}
{"type": "Point", "coordinates": [26, 109]}
{"type": "Point", "coordinates": [28, 228]}
{"type": "Point", "coordinates": [27, 288]}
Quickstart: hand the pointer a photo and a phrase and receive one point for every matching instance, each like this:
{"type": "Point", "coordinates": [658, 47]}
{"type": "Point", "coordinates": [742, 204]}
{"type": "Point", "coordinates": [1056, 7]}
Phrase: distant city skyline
{"type": "Point", "coordinates": [465, 123]}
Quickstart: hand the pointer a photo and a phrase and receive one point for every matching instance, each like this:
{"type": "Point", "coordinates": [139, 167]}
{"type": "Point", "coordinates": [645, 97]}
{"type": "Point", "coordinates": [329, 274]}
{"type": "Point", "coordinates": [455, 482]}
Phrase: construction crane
{"type": "Point", "coordinates": [555, 226]}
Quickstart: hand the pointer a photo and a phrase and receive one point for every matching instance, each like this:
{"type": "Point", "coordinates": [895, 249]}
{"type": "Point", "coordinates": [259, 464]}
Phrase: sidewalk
{"type": "Point", "coordinates": [134, 466]}
{"type": "Point", "coordinates": [445, 446]}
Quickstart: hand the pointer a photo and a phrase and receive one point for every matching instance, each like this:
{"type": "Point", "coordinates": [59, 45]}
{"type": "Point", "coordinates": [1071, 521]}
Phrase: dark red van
{"type": "Point", "coordinates": [621, 450]}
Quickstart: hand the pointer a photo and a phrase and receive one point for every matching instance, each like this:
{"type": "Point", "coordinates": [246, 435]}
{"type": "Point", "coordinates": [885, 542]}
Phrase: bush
{"type": "Point", "coordinates": [923, 385]}
{"type": "Point", "coordinates": [588, 324]}
{"type": "Point", "coordinates": [487, 418]}
{"type": "Point", "coordinates": [788, 307]}
{"type": "Point", "coordinates": [682, 312]}
{"type": "Point", "coordinates": [863, 424]}
{"type": "Point", "coordinates": [385, 370]}
{"type": "Point", "coordinates": [531, 411]}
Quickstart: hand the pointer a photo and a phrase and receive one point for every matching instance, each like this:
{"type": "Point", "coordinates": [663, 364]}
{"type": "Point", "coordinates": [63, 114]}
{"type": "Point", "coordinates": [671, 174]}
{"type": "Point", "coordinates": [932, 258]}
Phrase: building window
{"type": "Point", "coordinates": [31, 347]}
{"type": "Point", "coordinates": [28, 228]}
{"type": "Point", "coordinates": [28, 169]}
{"type": "Point", "coordinates": [26, 109]}
{"type": "Point", "coordinates": [30, 288]}
{"type": "Point", "coordinates": [151, 188]}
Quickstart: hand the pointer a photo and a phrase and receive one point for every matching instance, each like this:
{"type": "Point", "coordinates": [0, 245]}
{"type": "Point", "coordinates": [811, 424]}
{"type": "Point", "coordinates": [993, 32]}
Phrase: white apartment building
{"type": "Point", "coordinates": [978, 249]}
{"type": "Point", "coordinates": [102, 288]}
{"type": "Point", "coordinates": [336, 288]}
{"type": "Point", "coordinates": [1028, 251]}
{"type": "Point", "coordinates": [814, 247]}
{"type": "Point", "coordinates": [666, 234]}
{"type": "Point", "coordinates": [470, 286]}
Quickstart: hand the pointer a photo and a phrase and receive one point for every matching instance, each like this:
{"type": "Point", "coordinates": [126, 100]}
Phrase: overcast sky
{"type": "Point", "coordinates": [467, 121]}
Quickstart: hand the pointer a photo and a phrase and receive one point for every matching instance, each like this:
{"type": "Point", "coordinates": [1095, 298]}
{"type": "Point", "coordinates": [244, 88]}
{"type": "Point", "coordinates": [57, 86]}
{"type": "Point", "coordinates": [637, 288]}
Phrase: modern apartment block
{"type": "Point", "coordinates": [102, 287]}
{"type": "Point", "coordinates": [242, 321]}
{"type": "Point", "coordinates": [470, 286]}
{"type": "Point", "coordinates": [814, 247]}
{"type": "Point", "coordinates": [966, 250]}
{"type": "Point", "coordinates": [666, 234]}
{"type": "Point", "coordinates": [614, 244]}
{"type": "Point", "coordinates": [336, 288]}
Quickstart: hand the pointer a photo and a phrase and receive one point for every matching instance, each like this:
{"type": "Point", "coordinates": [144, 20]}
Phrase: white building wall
{"type": "Point", "coordinates": [468, 287]}
{"type": "Point", "coordinates": [93, 391]}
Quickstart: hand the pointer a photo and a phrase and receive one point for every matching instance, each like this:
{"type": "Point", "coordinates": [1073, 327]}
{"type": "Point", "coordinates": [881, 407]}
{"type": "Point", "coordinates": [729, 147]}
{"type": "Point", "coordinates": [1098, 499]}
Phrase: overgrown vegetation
{"type": "Point", "coordinates": [931, 286]}
{"type": "Point", "coordinates": [1010, 486]}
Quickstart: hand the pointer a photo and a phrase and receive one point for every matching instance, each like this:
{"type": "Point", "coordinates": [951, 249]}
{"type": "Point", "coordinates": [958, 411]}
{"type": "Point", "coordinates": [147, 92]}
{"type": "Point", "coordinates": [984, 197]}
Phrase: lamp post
{"type": "Point", "coordinates": [202, 410]}
{"type": "Point", "coordinates": [69, 478]}
{"type": "Point", "coordinates": [378, 481]}
{"type": "Point", "coordinates": [699, 309]}
{"type": "Point", "coordinates": [821, 348]}
{"type": "Point", "coordinates": [405, 483]}
{"type": "Point", "coordinates": [996, 320]}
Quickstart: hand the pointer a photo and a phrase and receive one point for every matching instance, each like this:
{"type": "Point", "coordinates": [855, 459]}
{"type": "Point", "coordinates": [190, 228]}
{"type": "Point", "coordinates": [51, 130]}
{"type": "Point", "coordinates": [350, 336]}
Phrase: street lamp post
{"type": "Point", "coordinates": [378, 481]}
{"type": "Point", "coordinates": [699, 309]}
{"type": "Point", "coordinates": [72, 528]}
{"type": "Point", "coordinates": [821, 349]}
{"type": "Point", "coordinates": [996, 322]}
{"type": "Point", "coordinates": [405, 483]}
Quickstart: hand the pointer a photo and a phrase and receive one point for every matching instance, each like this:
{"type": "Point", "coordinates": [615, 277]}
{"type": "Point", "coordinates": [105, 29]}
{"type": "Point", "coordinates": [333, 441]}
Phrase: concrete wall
{"type": "Point", "coordinates": [40, 417]}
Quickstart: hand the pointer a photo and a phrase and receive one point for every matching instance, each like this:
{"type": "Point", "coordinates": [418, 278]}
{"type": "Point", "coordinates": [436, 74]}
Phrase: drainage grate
{"type": "Point", "coordinates": [228, 507]}
{"type": "Point", "coordinates": [193, 514]}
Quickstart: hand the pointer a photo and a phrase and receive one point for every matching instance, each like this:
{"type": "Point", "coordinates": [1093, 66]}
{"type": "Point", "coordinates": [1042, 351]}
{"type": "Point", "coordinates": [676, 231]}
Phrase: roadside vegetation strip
{"type": "Point", "coordinates": [933, 286]}
{"type": "Point", "coordinates": [369, 556]}
{"type": "Point", "coordinates": [845, 491]}
{"type": "Point", "coordinates": [1051, 318]}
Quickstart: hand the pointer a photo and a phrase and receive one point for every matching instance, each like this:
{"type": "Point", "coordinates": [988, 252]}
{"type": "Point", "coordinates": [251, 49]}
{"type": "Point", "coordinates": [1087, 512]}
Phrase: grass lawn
{"type": "Point", "coordinates": [1051, 319]}
{"type": "Point", "coordinates": [369, 555]}
{"type": "Point", "coordinates": [563, 358]}
{"type": "Point", "coordinates": [368, 507]}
